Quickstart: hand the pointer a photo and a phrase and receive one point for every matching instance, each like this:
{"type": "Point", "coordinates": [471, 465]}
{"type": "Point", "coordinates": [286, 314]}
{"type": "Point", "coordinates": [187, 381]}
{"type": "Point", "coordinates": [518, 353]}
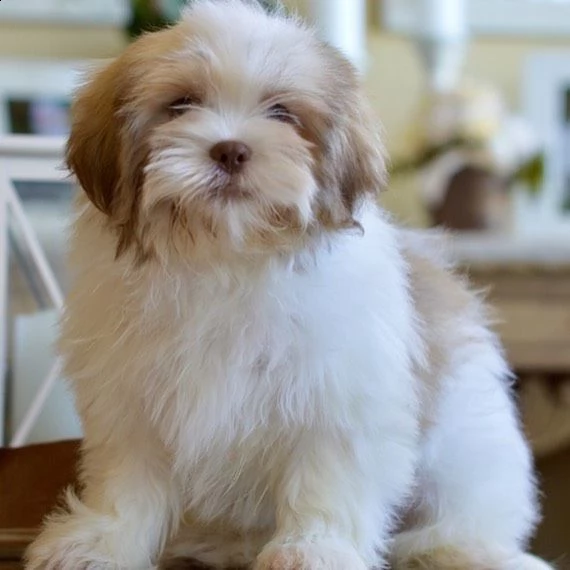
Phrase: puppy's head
{"type": "Point", "coordinates": [235, 128]}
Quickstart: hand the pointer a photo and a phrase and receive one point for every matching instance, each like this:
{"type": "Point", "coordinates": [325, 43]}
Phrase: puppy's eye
{"type": "Point", "coordinates": [279, 112]}
{"type": "Point", "coordinates": [181, 105]}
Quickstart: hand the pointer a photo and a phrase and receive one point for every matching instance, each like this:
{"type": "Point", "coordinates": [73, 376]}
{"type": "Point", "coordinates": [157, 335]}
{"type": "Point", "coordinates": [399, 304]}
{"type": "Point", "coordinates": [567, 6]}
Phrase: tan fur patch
{"type": "Point", "coordinates": [351, 159]}
{"type": "Point", "coordinates": [443, 303]}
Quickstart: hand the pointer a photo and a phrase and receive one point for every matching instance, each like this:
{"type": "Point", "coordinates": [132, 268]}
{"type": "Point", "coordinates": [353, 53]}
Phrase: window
{"type": "Point", "coordinates": [493, 17]}
{"type": "Point", "coordinates": [546, 103]}
{"type": "Point", "coordinates": [34, 95]}
{"type": "Point", "coordinates": [95, 12]}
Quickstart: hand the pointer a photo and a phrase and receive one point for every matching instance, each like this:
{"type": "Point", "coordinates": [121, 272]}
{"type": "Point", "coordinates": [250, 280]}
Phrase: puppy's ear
{"type": "Point", "coordinates": [105, 151]}
{"type": "Point", "coordinates": [360, 154]}
{"type": "Point", "coordinates": [94, 142]}
{"type": "Point", "coordinates": [353, 162]}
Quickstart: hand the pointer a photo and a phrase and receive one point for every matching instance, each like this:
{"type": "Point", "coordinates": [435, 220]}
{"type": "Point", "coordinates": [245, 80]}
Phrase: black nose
{"type": "Point", "coordinates": [230, 155]}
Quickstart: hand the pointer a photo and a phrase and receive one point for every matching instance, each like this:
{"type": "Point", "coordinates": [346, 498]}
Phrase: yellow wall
{"type": "Point", "coordinates": [43, 41]}
{"type": "Point", "coordinates": [394, 77]}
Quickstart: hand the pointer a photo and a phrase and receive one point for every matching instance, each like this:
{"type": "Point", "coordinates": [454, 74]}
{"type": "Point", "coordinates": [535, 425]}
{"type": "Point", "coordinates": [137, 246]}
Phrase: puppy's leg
{"type": "Point", "coordinates": [121, 520]}
{"type": "Point", "coordinates": [335, 497]}
{"type": "Point", "coordinates": [476, 504]}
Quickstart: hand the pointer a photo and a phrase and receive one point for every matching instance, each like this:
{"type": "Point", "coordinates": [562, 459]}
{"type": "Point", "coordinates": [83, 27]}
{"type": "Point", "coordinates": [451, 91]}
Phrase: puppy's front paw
{"type": "Point", "coordinates": [74, 542]}
{"type": "Point", "coordinates": [310, 555]}
{"type": "Point", "coordinates": [49, 553]}
{"type": "Point", "coordinates": [65, 557]}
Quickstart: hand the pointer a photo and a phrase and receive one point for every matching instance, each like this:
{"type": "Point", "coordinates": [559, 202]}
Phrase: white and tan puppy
{"type": "Point", "coordinates": [270, 374]}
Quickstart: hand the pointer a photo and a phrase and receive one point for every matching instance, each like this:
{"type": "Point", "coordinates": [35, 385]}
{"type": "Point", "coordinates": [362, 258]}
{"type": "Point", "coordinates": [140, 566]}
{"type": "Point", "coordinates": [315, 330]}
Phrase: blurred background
{"type": "Point", "coordinates": [474, 96]}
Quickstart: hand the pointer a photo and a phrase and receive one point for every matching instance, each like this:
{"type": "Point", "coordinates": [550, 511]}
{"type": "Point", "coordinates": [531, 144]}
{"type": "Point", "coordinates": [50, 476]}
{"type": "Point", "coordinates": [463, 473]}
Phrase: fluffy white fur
{"type": "Point", "coordinates": [262, 382]}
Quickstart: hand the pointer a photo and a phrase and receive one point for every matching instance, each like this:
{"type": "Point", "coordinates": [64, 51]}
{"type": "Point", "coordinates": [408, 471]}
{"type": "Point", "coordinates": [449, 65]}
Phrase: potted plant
{"type": "Point", "coordinates": [470, 153]}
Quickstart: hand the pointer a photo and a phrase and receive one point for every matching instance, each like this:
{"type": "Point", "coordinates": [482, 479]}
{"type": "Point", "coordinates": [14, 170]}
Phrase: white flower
{"type": "Point", "coordinates": [513, 144]}
{"type": "Point", "coordinates": [473, 112]}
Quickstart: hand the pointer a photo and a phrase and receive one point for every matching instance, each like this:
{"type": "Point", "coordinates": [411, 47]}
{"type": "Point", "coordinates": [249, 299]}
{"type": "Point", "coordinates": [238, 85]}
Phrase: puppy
{"type": "Point", "coordinates": [270, 374]}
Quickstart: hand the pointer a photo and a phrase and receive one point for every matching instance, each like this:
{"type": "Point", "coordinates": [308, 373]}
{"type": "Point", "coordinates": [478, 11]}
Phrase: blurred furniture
{"type": "Point", "coordinates": [31, 478]}
{"type": "Point", "coordinates": [528, 284]}
{"type": "Point", "coordinates": [34, 101]}
{"type": "Point", "coordinates": [25, 159]}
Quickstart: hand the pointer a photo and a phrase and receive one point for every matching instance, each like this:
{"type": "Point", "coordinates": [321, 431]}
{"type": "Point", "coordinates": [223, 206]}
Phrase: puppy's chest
{"type": "Point", "coordinates": [226, 367]}
{"type": "Point", "coordinates": [222, 362]}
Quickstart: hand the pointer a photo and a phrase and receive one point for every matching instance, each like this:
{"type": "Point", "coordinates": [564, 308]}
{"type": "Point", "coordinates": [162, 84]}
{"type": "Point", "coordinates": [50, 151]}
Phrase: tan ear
{"type": "Point", "coordinates": [94, 144]}
{"type": "Point", "coordinates": [353, 163]}
{"type": "Point", "coordinates": [106, 152]}
{"type": "Point", "coordinates": [362, 164]}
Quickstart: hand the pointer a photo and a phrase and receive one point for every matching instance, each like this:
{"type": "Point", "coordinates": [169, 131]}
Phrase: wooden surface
{"type": "Point", "coordinates": [532, 305]}
{"type": "Point", "coordinates": [31, 481]}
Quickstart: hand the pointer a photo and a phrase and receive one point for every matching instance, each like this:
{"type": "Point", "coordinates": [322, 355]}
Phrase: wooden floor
{"type": "Point", "coordinates": [552, 541]}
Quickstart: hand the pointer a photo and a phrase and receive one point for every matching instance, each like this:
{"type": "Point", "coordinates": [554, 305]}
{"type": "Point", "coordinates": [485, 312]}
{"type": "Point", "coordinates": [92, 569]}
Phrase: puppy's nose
{"type": "Point", "coordinates": [230, 155]}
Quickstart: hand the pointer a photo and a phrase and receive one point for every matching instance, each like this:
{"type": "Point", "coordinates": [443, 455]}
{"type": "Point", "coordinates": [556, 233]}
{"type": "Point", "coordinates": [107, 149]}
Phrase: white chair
{"type": "Point", "coordinates": [26, 159]}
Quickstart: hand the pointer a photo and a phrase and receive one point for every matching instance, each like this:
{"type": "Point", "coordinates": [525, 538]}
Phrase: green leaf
{"type": "Point", "coordinates": [430, 153]}
{"type": "Point", "coordinates": [531, 174]}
